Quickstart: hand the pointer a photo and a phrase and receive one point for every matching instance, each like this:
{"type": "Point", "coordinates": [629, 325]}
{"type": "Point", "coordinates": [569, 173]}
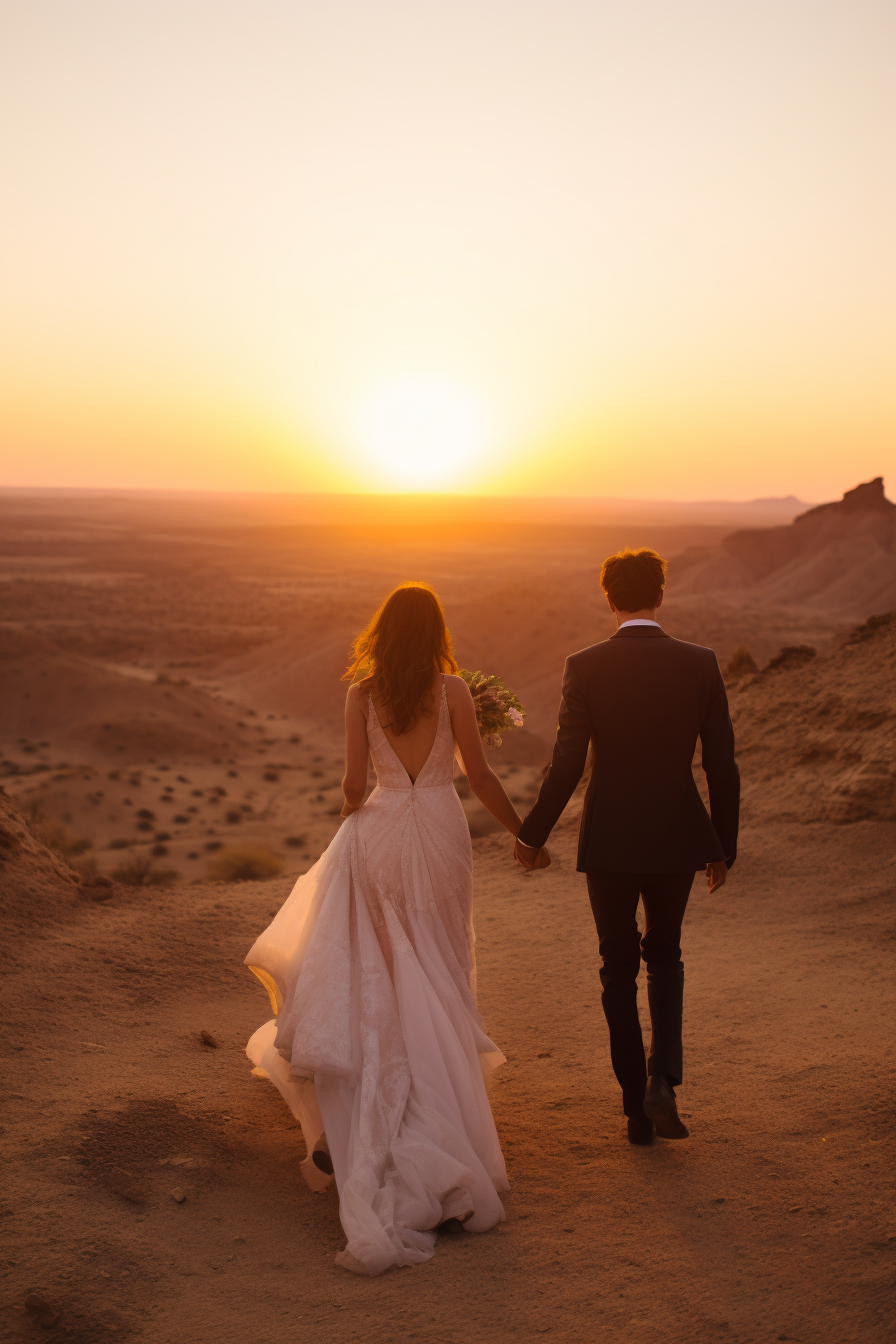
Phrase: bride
{"type": "Point", "coordinates": [377, 1045]}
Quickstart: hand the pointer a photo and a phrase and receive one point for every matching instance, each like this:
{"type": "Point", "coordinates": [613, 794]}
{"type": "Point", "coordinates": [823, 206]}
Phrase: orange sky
{"type": "Point", "coordinates": [639, 250]}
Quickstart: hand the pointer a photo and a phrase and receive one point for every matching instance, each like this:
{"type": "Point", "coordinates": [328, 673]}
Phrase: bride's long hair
{"type": "Point", "coordinates": [405, 645]}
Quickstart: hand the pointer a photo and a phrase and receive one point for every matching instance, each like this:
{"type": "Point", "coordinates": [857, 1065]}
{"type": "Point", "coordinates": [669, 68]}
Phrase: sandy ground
{"type": "Point", "coordinates": [772, 1222]}
{"type": "Point", "coordinates": [156, 672]}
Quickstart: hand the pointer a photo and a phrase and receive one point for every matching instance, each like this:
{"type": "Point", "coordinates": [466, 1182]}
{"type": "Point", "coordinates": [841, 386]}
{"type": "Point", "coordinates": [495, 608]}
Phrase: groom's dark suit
{"type": "Point", "coordinates": [641, 699]}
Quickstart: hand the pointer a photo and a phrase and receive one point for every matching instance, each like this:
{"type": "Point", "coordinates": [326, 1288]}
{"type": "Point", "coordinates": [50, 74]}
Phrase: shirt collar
{"type": "Point", "coordinates": [639, 621]}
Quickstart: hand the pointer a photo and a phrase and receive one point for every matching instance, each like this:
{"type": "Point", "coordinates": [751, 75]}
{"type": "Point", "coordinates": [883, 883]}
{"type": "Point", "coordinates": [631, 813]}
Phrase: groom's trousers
{"type": "Point", "coordinates": [614, 901]}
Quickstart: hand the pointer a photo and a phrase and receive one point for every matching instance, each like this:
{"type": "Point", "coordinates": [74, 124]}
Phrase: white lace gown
{"type": "Point", "coordinates": [377, 1039]}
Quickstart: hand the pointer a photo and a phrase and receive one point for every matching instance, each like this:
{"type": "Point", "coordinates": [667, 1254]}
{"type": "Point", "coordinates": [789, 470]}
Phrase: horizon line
{"type": "Point", "coordinates": [409, 495]}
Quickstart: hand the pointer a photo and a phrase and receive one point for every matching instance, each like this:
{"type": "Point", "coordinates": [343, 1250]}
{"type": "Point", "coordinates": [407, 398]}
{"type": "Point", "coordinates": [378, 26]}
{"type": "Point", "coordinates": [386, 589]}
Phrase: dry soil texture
{"type": "Point", "coordinates": [773, 1221]}
{"type": "Point", "coordinates": [169, 683]}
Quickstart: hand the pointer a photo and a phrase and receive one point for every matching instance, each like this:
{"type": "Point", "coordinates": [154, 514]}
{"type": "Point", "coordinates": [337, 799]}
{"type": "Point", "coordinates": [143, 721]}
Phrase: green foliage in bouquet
{"type": "Point", "coordinates": [497, 708]}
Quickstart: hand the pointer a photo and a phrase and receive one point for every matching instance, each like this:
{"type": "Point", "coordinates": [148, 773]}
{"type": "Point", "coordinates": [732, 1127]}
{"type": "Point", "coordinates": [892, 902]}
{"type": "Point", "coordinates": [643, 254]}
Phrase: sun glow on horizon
{"type": "Point", "coordinates": [421, 432]}
{"type": "Point", "coordinates": [647, 253]}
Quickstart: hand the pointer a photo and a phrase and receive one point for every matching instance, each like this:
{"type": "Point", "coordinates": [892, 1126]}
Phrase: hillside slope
{"type": "Point", "coordinates": [36, 887]}
{"type": "Point", "coordinates": [815, 737]}
{"type": "Point", "coordinates": [80, 705]}
{"type": "Point", "coordinates": [839, 557]}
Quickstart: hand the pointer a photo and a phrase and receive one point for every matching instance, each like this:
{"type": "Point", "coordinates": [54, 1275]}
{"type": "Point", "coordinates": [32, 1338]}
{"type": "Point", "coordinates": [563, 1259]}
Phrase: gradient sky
{"type": "Point", "coordinates": [649, 244]}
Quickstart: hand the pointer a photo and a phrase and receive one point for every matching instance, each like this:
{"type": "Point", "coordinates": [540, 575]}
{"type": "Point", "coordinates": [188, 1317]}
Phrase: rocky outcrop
{"type": "Point", "coordinates": [839, 557]}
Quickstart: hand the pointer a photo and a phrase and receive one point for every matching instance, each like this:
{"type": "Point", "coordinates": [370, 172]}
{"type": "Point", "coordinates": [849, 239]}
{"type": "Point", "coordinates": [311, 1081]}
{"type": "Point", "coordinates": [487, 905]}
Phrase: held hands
{"type": "Point", "coordinates": [531, 859]}
{"type": "Point", "coordinates": [716, 875]}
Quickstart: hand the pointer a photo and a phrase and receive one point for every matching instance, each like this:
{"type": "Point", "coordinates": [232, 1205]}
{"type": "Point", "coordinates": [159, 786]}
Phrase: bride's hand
{"type": "Point", "coordinates": [531, 859]}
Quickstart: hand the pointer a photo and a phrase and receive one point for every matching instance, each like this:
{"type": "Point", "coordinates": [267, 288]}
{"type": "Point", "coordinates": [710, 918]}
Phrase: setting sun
{"type": "Point", "coordinates": [421, 432]}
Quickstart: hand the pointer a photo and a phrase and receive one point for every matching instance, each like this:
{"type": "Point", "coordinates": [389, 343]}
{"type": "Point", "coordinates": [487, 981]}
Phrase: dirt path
{"type": "Point", "coordinates": [774, 1221]}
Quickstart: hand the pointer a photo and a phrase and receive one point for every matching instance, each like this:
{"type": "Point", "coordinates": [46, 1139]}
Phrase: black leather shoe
{"type": "Point", "coordinates": [660, 1105]}
{"type": "Point", "coordinates": [640, 1130]}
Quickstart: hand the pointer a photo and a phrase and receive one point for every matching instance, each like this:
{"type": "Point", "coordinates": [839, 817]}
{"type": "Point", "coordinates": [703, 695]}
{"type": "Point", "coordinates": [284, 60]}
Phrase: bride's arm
{"type": "Point", "coordinates": [482, 779]}
{"type": "Point", "coordinates": [357, 752]}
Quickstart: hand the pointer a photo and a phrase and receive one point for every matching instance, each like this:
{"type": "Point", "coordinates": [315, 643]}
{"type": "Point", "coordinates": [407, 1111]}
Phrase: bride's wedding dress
{"type": "Point", "coordinates": [377, 1040]}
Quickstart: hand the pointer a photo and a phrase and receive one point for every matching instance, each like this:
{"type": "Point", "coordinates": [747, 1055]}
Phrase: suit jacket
{"type": "Point", "coordinates": [641, 699]}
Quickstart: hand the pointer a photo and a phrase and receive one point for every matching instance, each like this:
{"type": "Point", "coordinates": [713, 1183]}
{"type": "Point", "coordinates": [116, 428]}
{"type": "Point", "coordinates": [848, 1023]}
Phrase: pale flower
{"type": "Point", "coordinates": [515, 717]}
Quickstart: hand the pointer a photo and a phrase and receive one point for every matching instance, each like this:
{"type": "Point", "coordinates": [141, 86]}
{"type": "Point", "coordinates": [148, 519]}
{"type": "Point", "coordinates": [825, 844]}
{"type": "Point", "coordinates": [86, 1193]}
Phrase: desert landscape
{"type": "Point", "coordinates": [170, 759]}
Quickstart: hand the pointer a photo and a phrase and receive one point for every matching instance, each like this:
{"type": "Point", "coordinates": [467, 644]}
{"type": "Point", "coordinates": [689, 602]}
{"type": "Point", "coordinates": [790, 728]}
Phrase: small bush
{"type": "Point", "coordinates": [244, 863]}
{"type": "Point", "coordinates": [233, 818]}
{"type": "Point", "coordinates": [296, 841]}
{"type": "Point", "coordinates": [159, 851]}
{"type": "Point", "coordinates": [741, 663]}
{"type": "Point", "coordinates": [54, 834]}
{"type": "Point", "coordinates": [119, 844]}
{"type": "Point", "coordinates": [792, 655]}
{"type": "Point", "coordinates": [139, 872]}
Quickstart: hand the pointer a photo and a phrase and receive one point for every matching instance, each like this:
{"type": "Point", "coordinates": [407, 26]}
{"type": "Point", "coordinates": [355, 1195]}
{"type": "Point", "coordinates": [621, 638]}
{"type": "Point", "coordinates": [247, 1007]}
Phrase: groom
{"type": "Point", "coordinates": [641, 699]}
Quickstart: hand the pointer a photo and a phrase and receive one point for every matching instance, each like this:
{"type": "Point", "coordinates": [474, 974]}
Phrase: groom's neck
{"type": "Point", "coordinates": [648, 614]}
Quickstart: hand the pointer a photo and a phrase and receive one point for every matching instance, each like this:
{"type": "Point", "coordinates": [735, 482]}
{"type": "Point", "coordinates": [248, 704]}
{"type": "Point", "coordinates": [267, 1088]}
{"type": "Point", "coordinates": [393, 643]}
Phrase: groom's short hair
{"type": "Point", "coordinates": [633, 580]}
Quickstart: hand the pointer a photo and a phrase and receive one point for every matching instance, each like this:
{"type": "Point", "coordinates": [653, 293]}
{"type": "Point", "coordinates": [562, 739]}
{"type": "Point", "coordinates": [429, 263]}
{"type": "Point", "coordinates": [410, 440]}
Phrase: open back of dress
{"type": "Point", "coordinates": [377, 1039]}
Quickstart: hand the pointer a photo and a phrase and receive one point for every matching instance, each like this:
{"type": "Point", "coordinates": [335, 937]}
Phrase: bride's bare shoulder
{"type": "Point", "coordinates": [357, 696]}
{"type": "Point", "coordinates": [456, 689]}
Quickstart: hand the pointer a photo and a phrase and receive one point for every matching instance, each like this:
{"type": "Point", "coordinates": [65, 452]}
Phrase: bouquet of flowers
{"type": "Point", "coordinates": [497, 708]}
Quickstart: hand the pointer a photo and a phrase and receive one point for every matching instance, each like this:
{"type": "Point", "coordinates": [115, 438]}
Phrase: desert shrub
{"type": "Point", "coordinates": [138, 871]}
{"type": "Point", "coordinates": [244, 863]}
{"type": "Point", "coordinates": [741, 663]}
{"type": "Point", "coordinates": [792, 655]}
{"type": "Point", "coordinates": [233, 817]}
{"type": "Point", "coordinates": [867, 630]}
{"type": "Point", "coordinates": [271, 776]}
{"type": "Point", "coordinates": [296, 841]}
{"type": "Point", "coordinates": [119, 844]}
{"type": "Point", "coordinates": [159, 851]}
{"type": "Point", "coordinates": [54, 834]}
{"type": "Point", "coordinates": [180, 820]}
{"type": "Point", "coordinates": [145, 813]}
